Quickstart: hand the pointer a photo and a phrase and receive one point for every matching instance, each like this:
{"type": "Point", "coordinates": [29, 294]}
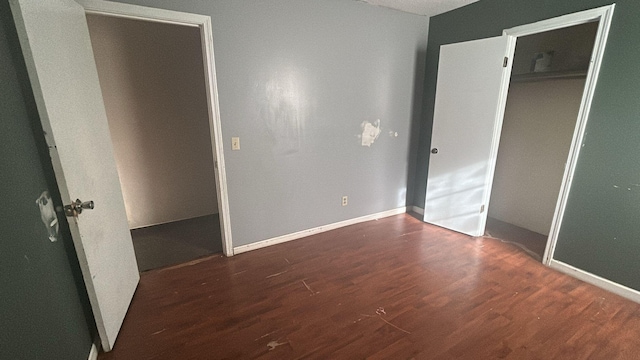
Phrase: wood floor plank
{"type": "Point", "coordinates": [394, 288]}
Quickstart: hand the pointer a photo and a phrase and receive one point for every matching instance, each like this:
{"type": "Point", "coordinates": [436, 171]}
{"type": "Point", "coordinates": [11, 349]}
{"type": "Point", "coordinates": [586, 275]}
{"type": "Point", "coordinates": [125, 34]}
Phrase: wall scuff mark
{"type": "Point", "coordinates": [48, 215]}
{"type": "Point", "coordinates": [370, 132]}
{"type": "Point", "coordinates": [283, 108]}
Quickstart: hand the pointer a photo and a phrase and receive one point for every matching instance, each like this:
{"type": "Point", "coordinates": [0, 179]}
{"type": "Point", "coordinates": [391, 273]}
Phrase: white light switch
{"type": "Point", "coordinates": [235, 143]}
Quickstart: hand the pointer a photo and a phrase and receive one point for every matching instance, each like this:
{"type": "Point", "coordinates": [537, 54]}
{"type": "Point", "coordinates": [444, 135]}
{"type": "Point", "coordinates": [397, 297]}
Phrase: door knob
{"type": "Point", "coordinates": [434, 150]}
{"type": "Point", "coordinates": [76, 207]}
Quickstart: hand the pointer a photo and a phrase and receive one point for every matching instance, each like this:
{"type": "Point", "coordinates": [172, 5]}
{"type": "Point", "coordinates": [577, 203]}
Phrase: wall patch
{"type": "Point", "coordinates": [48, 215]}
{"type": "Point", "coordinates": [370, 132]}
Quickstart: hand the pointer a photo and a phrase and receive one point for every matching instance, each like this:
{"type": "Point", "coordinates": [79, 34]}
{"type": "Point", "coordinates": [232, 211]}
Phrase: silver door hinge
{"type": "Point", "coordinates": [481, 209]}
{"type": "Point", "coordinates": [505, 62]}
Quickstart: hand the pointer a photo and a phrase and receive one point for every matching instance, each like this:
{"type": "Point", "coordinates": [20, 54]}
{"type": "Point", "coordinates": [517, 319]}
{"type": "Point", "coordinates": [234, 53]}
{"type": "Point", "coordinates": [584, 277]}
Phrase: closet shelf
{"type": "Point", "coordinates": [549, 75]}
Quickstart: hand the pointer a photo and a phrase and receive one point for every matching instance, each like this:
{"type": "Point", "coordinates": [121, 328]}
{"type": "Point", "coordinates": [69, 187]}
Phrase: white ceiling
{"type": "Point", "coordinates": [421, 7]}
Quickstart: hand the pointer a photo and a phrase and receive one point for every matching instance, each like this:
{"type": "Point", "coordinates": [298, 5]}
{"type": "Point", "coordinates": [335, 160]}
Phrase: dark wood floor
{"type": "Point", "coordinates": [176, 242]}
{"type": "Point", "coordinates": [395, 288]}
{"type": "Point", "coordinates": [529, 241]}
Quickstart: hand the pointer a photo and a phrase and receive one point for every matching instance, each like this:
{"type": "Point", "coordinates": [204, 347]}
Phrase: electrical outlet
{"type": "Point", "coordinates": [344, 200]}
{"type": "Point", "coordinates": [235, 143]}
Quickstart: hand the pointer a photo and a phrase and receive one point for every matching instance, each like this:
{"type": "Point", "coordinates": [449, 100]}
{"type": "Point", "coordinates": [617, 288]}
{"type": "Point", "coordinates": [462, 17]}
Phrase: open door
{"type": "Point", "coordinates": [57, 51]}
{"type": "Point", "coordinates": [470, 98]}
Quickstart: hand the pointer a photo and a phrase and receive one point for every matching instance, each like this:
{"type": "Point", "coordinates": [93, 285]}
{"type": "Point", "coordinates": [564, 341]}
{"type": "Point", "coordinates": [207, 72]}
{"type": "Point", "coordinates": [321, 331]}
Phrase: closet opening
{"type": "Point", "coordinates": [152, 78]}
{"type": "Point", "coordinates": [545, 94]}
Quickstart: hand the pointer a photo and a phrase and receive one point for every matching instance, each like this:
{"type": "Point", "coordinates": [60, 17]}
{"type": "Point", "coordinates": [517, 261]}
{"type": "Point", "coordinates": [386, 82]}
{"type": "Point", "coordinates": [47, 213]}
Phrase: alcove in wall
{"type": "Point", "coordinates": [539, 123]}
{"type": "Point", "coordinates": [153, 83]}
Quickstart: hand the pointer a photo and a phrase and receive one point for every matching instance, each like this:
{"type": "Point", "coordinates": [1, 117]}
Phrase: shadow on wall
{"type": "Point", "coordinates": [416, 118]}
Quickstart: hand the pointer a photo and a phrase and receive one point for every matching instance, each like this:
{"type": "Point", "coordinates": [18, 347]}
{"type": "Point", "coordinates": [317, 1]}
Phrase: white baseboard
{"type": "Point", "coordinates": [93, 354]}
{"type": "Point", "coordinates": [626, 292]}
{"type": "Point", "coordinates": [304, 233]}
{"type": "Point", "coordinates": [417, 209]}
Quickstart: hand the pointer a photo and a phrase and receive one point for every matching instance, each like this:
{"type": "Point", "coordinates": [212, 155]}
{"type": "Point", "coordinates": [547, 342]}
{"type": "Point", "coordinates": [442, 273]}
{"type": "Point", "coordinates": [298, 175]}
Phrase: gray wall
{"type": "Point", "coordinates": [600, 230]}
{"type": "Point", "coordinates": [296, 80]}
{"type": "Point", "coordinates": [152, 81]}
{"type": "Point", "coordinates": [44, 308]}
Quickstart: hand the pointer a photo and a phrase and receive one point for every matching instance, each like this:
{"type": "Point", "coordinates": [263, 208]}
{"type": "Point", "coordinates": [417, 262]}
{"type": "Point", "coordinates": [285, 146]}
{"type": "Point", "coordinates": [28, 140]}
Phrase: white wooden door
{"type": "Point", "coordinates": [57, 51]}
{"type": "Point", "coordinates": [469, 106]}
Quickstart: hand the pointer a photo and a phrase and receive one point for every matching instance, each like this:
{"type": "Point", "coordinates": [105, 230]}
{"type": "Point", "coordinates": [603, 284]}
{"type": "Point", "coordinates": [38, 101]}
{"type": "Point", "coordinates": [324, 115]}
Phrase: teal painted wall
{"type": "Point", "coordinates": [601, 229]}
{"type": "Point", "coordinates": [44, 309]}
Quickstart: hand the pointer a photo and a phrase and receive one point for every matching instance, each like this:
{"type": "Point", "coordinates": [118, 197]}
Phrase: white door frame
{"type": "Point", "coordinates": [603, 15]}
{"type": "Point", "coordinates": [202, 22]}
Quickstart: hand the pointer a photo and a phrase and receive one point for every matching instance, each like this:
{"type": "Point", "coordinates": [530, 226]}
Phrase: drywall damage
{"type": "Point", "coordinates": [370, 132]}
{"type": "Point", "coordinates": [48, 215]}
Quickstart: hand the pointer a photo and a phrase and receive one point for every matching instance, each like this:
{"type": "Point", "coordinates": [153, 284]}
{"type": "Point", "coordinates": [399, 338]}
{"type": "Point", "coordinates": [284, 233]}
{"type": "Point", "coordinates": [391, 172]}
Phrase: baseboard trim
{"type": "Point", "coordinates": [93, 354]}
{"type": "Point", "coordinates": [304, 233]}
{"type": "Point", "coordinates": [626, 292]}
{"type": "Point", "coordinates": [417, 209]}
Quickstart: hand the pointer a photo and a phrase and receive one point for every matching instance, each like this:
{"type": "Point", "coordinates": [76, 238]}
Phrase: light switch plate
{"type": "Point", "coordinates": [235, 143]}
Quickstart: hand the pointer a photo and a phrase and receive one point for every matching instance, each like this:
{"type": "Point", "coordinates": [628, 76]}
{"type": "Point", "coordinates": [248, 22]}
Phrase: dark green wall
{"type": "Point", "coordinates": [43, 307]}
{"type": "Point", "coordinates": [601, 229]}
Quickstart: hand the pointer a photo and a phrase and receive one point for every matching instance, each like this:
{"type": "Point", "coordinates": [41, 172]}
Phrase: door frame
{"type": "Point", "coordinates": [203, 23]}
{"type": "Point", "coordinates": [603, 15]}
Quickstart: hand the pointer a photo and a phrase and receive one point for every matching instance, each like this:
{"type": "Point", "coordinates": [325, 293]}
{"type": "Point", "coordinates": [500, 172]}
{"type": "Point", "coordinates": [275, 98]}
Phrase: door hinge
{"type": "Point", "coordinates": [505, 61]}
{"type": "Point", "coordinates": [481, 209]}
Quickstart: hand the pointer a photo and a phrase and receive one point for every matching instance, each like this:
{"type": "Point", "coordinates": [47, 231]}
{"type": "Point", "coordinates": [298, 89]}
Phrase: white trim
{"type": "Point", "coordinates": [136, 12]}
{"type": "Point", "coordinates": [320, 229]}
{"type": "Point", "coordinates": [417, 209]}
{"type": "Point", "coordinates": [203, 22]}
{"type": "Point", "coordinates": [603, 14]}
{"type": "Point", "coordinates": [93, 353]}
{"type": "Point", "coordinates": [626, 292]}
{"type": "Point", "coordinates": [559, 22]}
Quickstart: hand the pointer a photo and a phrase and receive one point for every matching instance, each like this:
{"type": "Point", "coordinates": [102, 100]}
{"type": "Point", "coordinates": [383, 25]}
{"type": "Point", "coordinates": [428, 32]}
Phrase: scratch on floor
{"type": "Point", "coordinates": [285, 259]}
{"type": "Point", "coordinates": [274, 344]}
{"type": "Point", "coordinates": [409, 233]}
{"type": "Point", "coordinates": [403, 330]}
{"type": "Point", "coordinates": [239, 272]}
{"type": "Point", "coordinates": [379, 312]}
{"type": "Point", "coordinates": [308, 288]}
{"type": "Point", "coordinates": [276, 274]}
{"type": "Point", "coordinates": [190, 263]}
{"type": "Point", "coordinates": [265, 335]}
{"type": "Point", "coordinates": [158, 332]}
